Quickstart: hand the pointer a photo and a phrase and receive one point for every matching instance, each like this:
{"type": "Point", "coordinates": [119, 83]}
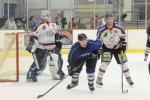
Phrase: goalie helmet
{"type": "Point", "coordinates": [46, 15]}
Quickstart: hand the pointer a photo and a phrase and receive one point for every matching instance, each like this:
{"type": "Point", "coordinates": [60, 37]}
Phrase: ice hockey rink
{"type": "Point", "coordinates": [111, 89]}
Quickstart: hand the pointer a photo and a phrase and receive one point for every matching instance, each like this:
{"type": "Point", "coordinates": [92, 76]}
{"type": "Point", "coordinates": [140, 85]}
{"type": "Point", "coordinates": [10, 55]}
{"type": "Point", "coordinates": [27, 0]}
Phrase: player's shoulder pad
{"type": "Point", "coordinates": [97, 41]}
{"type": "Point", "coordinates": [41, 26]}
{"type": "Point", "coordinates": [89, 40]}
{"type": "Point", "coordinates": [75, 44]}
{"type": "Point", "coordinates": [119, 26]}
{"type": "Point", "coordinates": [101, 28]}
{"type": "Point", "coordinates": [34, 28]}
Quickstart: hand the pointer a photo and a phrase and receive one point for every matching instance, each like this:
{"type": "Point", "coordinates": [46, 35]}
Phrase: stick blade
{"type": "Point", "coordinates": [125, 91]}
{"type": "Point", "coordinates": [39, 96]}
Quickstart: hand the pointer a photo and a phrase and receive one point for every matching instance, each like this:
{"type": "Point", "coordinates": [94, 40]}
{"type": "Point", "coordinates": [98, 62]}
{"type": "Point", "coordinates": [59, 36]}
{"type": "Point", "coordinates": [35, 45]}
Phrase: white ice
{"type": "Point", "coordinates": [111, 90]}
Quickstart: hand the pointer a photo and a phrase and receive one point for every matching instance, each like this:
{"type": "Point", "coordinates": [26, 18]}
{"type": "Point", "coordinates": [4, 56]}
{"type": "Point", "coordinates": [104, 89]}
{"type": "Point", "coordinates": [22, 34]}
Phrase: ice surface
{"type": "Point", "coordinates": [111, 90]}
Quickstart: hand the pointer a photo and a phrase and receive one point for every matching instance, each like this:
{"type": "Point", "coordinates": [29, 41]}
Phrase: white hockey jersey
{"type": "Point", "coordinates": [46, 35]}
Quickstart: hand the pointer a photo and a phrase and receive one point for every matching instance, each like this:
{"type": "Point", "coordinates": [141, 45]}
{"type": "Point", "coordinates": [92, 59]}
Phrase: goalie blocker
{"type": "Point", "coordinates": [33, 44]}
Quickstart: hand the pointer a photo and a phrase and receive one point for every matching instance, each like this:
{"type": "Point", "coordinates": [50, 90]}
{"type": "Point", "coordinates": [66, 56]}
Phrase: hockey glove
{"type": "Point", "coordinates": [99, 53]}
{"type": "Point", "coordinates": [123, 57]}
{"type": "Point", "coordinates": [70, 70]}
{"type": "Point", "coordinates": [148, 37]}
{"type": "Point", "coordinates": [93, 56]}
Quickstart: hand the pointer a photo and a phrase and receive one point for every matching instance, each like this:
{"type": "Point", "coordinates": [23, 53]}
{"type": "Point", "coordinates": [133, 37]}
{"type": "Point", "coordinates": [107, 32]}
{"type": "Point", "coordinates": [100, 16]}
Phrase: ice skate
{"type": "Point", "coordinates": [92, 88]}
{"type": "Point", "coordinates": [31, 77]}
{"type": "Point", "coordinates": [70, 86]}
{"type": "Point", "coordinates": [99, 83]}
{"type": "Point", "coordinates": [130, 82]}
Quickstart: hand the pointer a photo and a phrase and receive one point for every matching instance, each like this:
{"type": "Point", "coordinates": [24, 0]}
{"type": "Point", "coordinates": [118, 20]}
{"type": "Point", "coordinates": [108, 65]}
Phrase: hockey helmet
{"type": "Point", "coordinates": [82, 37]}
{"type": "Point", "coordinates": [109, 15]}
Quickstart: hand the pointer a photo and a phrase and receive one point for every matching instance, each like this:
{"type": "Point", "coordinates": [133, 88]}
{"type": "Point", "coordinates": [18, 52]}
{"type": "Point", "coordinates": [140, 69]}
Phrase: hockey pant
{"type": "Point", "coordinates": [90, 70]}
{"type": "Point", "coordinates": [41, 58]}
{"type": "Point", "coordinates": [106, 59]}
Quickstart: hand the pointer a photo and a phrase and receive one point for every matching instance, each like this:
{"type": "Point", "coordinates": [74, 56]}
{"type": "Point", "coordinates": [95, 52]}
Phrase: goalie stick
{"type": "Point", "coordinates": [41, 95]}
{"type": "Point", "coordinates": [35, 59]}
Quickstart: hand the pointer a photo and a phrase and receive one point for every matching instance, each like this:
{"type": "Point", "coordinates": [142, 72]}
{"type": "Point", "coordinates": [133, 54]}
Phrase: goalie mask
{"type": "Point", "coordinates": [46, 15]}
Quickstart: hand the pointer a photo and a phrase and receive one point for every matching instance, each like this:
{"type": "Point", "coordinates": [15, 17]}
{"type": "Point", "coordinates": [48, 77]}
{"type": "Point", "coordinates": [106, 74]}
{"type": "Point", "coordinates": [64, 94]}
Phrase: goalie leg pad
{"type": "Point", "coordinates": [60, 65]}
{"type": "Point", "coordinates": [32, 73]}
{"type": "Point", "coordinates": [53, 66]}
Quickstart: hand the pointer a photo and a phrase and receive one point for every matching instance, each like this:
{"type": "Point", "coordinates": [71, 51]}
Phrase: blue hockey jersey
{"type": "Point", "coordinates": [77, 53]}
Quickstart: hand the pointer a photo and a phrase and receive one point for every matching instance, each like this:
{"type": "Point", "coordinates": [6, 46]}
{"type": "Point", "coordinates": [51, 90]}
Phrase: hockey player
{"type": "Point", "coordinates": [147, 50]}
{"type": "Point", "coordinates": [45, 34]}
{"type": "Point", "coordinates": [114, 44]}
{"type": "Point", "coordinates": [83, 51]}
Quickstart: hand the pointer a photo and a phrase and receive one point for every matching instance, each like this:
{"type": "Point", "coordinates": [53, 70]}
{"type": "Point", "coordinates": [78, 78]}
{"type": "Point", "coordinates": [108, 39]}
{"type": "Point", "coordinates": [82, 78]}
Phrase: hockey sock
{"type": "Point", "coordinates": [91, 78]}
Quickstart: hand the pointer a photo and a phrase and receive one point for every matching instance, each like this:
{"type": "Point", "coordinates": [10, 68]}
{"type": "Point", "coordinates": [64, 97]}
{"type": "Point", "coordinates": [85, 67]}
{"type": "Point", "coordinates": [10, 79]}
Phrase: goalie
{"type": "Point", "coordinates": [42, 43]}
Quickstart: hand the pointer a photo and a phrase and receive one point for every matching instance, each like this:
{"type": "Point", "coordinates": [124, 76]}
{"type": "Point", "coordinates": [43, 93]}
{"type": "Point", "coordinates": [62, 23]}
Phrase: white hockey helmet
{"type": "Point", "coordinates": [46, 15]}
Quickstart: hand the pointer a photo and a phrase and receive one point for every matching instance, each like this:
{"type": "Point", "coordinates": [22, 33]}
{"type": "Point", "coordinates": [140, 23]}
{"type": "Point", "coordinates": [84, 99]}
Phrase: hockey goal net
{"type": "Point", "coordinates": [9, 56]}
{"type": "Point", "coordinates": [15, 61]}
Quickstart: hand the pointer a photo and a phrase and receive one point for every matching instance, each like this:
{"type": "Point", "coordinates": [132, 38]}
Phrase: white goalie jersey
{"type": "Point", "coordinates": [46, 35]}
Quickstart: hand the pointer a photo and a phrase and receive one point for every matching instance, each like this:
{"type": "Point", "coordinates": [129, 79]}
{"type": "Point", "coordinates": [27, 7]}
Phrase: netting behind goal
{"type": "Point", "coordinates": [9, 56]}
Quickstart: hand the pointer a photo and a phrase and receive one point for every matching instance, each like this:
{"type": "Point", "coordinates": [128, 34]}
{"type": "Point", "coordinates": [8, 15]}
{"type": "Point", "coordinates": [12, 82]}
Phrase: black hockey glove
{"type": "Point", "coordinates": [70, 70]}
{"type": "Point", "coordinates": [99, 53]}
{"type": "Point", "coordinates": [93, 56]}
{"type": "Point", "coordinates": [148, 37]}
{"type": "Point", "coordinates": [122, 43]}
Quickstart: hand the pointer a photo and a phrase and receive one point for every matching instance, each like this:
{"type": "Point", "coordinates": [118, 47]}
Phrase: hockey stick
{"type": "Point", "coordinates": [37, 64]}
{"type": "Point", "coordinates": [149, 67]}
{"type": "Point", "coordinates": [122, 88]}
{"type": "Point", "coordinates": [35, 60]}
{"type": "Point", "coordinates": [41, 95]}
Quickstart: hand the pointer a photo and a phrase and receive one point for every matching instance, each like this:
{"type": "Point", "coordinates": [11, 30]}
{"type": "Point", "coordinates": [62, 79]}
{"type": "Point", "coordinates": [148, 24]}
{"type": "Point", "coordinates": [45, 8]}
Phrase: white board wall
{"type": "Point", "coordinates": [136, 38]}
